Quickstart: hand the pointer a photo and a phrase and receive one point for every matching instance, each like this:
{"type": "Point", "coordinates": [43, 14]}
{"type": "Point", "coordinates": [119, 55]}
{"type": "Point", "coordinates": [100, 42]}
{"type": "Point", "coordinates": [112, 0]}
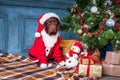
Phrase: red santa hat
{"type": "Point", "coordinates": [41, 21]}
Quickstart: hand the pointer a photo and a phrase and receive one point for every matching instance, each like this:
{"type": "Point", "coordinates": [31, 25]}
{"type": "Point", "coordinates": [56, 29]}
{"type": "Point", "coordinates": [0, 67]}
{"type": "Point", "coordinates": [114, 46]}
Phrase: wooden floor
{"type": "Point", "coordinates": [109, 78]}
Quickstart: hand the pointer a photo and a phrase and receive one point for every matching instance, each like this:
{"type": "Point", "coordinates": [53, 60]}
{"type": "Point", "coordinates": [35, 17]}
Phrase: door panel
{"type": "Point", "coordinates": [3, 32]}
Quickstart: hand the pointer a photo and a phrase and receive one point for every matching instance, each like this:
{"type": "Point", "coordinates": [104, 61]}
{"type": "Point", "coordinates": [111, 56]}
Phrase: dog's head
{"type": "Point", "coordinates": [51, 26]}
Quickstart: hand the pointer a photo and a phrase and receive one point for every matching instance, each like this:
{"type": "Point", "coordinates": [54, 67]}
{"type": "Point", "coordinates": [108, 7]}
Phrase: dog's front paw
{"type": "Point", "coordinates": [50, 64]}
{"type": "Point", "coordinates": [43, 65]}
{"type": "Point", "coordinates": [62, 63]}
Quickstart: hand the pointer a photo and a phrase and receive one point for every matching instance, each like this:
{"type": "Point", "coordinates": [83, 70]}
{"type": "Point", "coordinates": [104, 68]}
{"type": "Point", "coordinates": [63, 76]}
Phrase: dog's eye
{"type": "Point", "coordinates": [52, 21]}
{"type": "Point", "coordinates": [49, 22]}
{"type": "Point", "coordinates": [55, 22]}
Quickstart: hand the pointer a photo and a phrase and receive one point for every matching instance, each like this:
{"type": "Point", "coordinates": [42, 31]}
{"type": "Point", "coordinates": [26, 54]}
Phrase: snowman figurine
{"type": "Point", "coordinates": [72, 55]}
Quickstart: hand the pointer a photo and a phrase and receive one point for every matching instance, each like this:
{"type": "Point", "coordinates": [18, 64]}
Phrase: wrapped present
{"type": "Point", "coordinates": [113, 57]}
{"type": "Point", "coordinates": [110, 69]}
{"type": "Point", "coordinates": [90, 70]}
{"type": "Point", "coordinates": [93, 57]}
{"type": "Point", "coordinates": [66, 45]}
{"type": "Point", "coordinates": [88, 60]}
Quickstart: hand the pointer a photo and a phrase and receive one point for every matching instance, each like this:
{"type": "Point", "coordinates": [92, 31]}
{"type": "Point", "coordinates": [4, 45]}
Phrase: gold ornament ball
{"type": "Point", "coordinates": [79, 31]}
{"type": "Point", "coordinates": [74, 9]}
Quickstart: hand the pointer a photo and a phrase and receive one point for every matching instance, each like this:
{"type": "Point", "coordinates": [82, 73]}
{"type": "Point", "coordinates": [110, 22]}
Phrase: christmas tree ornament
{"type": "Point", "coordinates": [116, 24]}
{"type": "Point", "coordinates": [75, 4]}
{"type": "Point", "coordinates": [109, 2]}
{"type": "Point", "coordinates": [94, 9]}
{"type": "Point", "coordinates": [94, 2]}
{"type": "Point", "coordinates": [74, 10]}
{"type": "Point", "coordinates": [110, 23]}
{"type": "Point", "coordinates": [79, 31]}
{"type": "Point", "coordinates": [71, 10]}
{"type": "Point", "coordinates": [118, 42]}
{"type": "Point", "coordinates": [107, 15]}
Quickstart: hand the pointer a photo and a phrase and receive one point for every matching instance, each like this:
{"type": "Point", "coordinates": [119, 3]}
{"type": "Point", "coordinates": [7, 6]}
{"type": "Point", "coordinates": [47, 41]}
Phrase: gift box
{"type": "Point", "coordinates": [88, 60]}
{"type": "Point", "coordinates": [110, 69]}
{"type": "Point", "coordinates": [113, 57]}
{"type": "Point", "coordinates": [90, 70]}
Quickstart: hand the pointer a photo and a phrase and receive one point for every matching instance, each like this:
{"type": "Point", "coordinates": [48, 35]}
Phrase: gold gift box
{"type": "Point", "coordinates": [89, 60]}
{"type": "Point", "coordinates": [94, 58]}
{"type": "Point", "coordinates": [94, 70]}
{"type": "Point", "coordinates": [110, 69]}
{"type": "Point", "coordinates": [113, 57]}
{"type": "Point", "coordinates": [85, 61]}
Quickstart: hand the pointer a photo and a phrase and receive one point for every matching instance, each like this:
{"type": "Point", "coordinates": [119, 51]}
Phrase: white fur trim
{"type": "Point", "coordinates": [47, 16]}
{"type": "Point", "coordinates": [50, 64]}
{"type": "Point", "coordinates": [58, 66]}
{"type": "Point", "coordinates": [43, 65]}
{"type": "Point", "coordinates": [37, 34]}
{"type": "Point", "coordinates": [48, 40]}
{"type": "Point", "coordinates": [62, 63]}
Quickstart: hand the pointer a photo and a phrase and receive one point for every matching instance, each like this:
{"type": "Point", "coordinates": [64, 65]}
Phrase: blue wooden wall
{"type": "Point", "coordinates": [18, 22]}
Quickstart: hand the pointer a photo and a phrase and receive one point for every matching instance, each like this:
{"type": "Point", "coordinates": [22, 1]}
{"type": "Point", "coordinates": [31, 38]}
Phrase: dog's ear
{"type": "Point", "coordinates": [59, 24]}
{"type": "Point", "coordinates": [45, 24]}
{"type": "Point", "coordinates": [60, 27]}
{"type": "Point", "coordinates": [45, 27]}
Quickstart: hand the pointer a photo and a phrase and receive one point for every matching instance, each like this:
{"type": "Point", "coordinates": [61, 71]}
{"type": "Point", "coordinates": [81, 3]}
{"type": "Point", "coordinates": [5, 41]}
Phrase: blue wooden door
{"type": "Point", "coordinates": [18, 22]}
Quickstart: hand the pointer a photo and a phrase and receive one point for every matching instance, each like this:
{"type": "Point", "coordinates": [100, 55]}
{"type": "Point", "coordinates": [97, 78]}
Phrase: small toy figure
{"type": "Point", "coordinates": [72, 55]}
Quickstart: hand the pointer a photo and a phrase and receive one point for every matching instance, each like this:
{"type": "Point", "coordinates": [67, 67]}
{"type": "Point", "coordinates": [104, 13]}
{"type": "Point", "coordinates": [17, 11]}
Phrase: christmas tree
{"type": "Point", "coordinates": [96, 22]}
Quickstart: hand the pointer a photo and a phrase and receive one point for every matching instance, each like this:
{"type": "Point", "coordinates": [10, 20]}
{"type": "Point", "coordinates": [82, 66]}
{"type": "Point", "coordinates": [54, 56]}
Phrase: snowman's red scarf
{"type": "Point", "coordinates": [72, 52]}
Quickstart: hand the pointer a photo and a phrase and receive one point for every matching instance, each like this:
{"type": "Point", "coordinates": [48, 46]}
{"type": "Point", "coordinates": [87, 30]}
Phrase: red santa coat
{"type": "Point", "coordinates": [45, 47]}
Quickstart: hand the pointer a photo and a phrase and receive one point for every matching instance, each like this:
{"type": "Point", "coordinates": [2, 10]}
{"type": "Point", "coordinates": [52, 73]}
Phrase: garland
{"type": "Point", "coordinates": [85, 29]}
{"type": "Point", "coordinates": [116, 24]}
{"type": "Point", "coordinates": [100, 29]}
